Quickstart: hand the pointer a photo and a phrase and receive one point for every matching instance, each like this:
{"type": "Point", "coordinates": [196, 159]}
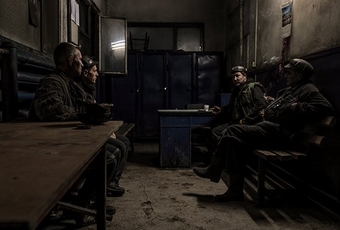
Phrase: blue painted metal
{"type": "Point", "coordinates": [175, 135]}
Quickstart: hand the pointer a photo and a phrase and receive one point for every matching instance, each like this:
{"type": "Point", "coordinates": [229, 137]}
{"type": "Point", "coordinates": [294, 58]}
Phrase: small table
{"type": "Point", "coordinates": [175, 134]}
{"type": "Point", "coordinates": [40, 161]}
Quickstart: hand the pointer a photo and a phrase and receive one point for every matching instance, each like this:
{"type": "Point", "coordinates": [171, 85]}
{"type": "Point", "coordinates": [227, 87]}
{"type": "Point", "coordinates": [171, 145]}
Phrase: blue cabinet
{"type": "Point", "coordinates": [175, 135]}
{"type": "Point", "coordinates": [164, 80]}
{"type": "Point", "coordinates": [124, 93]}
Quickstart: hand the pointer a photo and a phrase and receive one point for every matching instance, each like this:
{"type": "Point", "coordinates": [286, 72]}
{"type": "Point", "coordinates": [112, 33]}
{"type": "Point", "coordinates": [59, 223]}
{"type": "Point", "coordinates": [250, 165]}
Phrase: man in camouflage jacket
{"type": "Point", "coordinates": [52, 101]}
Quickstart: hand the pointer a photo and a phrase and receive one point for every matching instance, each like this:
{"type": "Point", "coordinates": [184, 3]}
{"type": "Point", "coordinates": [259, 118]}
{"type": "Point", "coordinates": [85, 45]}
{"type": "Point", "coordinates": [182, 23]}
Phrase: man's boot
{"type": "Point", "coordinates": [213, 171]}
{"type": "Point", "coordinates": [235, 190]}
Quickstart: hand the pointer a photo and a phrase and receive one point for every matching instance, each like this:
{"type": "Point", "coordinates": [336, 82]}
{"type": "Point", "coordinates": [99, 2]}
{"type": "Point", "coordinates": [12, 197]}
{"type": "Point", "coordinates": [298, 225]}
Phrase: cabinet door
{"type": "Point", "coordinates": [180, 75]}
{"type": "Point", "coordinates": [208, 75]}
{"type": "Point", "coordinates": [125, 92]}
{"type": "Point", "coordinates": [153, 92]}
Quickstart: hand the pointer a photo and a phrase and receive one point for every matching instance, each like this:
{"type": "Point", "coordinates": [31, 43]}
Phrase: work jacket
{"type": "Point", "coordinates": [52, 100]}
{"type": "Point", "coordinates": [246, 103]}
{"type": "Point", "coordinates": [311, 106]}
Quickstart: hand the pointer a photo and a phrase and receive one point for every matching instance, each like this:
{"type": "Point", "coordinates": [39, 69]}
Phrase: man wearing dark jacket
{"type": "Point", "coordinates": [295, 106]}
{"type": "Point", "coordinates": [245, 106]}
{"type": "Point", "coordinates": [83, 90]}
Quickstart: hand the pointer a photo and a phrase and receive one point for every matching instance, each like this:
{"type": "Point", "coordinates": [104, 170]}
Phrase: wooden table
{"type": "Point", "coordinates": [175, 134]}
{"type": "Point", "coordinates": [39, 162]}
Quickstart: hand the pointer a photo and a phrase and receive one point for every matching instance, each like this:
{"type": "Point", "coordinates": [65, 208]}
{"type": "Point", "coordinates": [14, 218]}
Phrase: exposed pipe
{"type": "Point", "coordinates": [254, 64]}
{"type": "Point", "coordinates": [241, 31]}
{"type": "Point", "coordinates": [256, 31]}
{"type": "Point", "coordinates": [25, 57]}
{"type": "Point", "coordinates": [9, 74]}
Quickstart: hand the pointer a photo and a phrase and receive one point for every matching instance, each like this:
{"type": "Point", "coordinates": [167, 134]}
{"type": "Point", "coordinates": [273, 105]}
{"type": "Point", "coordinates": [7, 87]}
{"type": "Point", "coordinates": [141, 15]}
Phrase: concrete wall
{"type": "Point", "coordinates": [51, 28]}
{"type": "Point", "coordinates": [14, 23]}
{"type": "Point", "coordinates": [211, 13]}
{"type": "Point", "coordinates": [315, 36]}
{"type": "Point", "coordinates": [101, 4]}
{"type": "Point", "coordinates": [317, 28]}
{"type": "Point", "coordinates": [314, 26]}
{"type": "Point", "coordinates": [314, 29]}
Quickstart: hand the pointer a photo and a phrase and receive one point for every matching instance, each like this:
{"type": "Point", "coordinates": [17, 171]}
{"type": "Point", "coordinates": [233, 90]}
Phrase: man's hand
{"type": "Point", "coordinates": [293, 106]}
{"type": "Point", "coordinates": [113, 135]}
{"type": "Point", "coordinates": [269, 98]}
{"type": "Point", "coordinates": [215, 110]}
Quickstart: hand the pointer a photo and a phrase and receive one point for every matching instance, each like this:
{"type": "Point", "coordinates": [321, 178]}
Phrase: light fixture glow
{"type": "Point", "coordinates": [118, 45]}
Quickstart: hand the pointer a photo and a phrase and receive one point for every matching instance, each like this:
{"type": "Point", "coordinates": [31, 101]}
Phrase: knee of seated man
{"type": "Point", "coordinates": [110, 158]}
{"type": "Point", "coordinates": [116, 143]}
{"type": "Point", "coordinates": [112, 148]}
{"type": "Point", "coordinates": [124, 139]}
{"type": "Point", "coordinates": [117, 153]}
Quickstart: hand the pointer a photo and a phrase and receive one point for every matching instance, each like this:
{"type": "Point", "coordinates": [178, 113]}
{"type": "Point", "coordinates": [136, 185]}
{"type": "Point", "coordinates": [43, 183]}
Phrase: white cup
{"type": "Point", "coordinates": [206, 108]}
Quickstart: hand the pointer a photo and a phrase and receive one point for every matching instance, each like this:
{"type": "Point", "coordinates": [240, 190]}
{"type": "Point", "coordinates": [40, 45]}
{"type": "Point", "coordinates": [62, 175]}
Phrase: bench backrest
{"type": "Point", "coordinates": [315, 134]}
{"type": "Point", "coordinates": [29, 76]}
{"type": "Point", "coordinates": [20, 73]}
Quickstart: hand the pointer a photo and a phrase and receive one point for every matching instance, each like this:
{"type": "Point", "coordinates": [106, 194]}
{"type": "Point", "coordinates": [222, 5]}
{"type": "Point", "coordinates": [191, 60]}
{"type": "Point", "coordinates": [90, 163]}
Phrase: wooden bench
{"type": "Point", "coordinates": [312, 137]}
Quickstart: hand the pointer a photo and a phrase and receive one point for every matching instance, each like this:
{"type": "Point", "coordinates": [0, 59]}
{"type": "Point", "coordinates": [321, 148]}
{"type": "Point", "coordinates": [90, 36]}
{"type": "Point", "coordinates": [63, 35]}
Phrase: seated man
{"type": "Point", "coordinates": [84, 89]}
{"type": "Point", "coordinates": [52, 102]}
{"type": "Point", "coordinates": [295, 106]}
{"type": "Point", "coordinates": [245, 106]}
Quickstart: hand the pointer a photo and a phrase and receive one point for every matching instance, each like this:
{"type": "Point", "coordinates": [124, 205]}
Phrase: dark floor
{"type": "Point", "coordinates": [175, 198]}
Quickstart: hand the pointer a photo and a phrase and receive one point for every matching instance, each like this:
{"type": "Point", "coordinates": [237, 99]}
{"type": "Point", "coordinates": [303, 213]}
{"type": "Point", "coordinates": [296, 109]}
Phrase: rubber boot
{"type": "Point", "coordinates": [235, 190]}
{"type": "Point", "coordinates": [213, 171]}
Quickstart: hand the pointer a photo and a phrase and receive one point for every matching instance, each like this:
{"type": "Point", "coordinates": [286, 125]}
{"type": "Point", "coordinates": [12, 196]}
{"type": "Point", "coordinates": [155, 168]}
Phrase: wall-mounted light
{"type": "Point", "coordinates": [118, 45]}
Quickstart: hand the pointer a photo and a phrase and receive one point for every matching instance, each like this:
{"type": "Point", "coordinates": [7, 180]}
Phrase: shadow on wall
{"type": "Point", "coordinates": [273, 81]}
{"type": "Point", "coordinates": [327, 78]}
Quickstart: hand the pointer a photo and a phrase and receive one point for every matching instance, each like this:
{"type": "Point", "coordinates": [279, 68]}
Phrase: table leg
{"type": "Point", "coordinates": [101, 189]}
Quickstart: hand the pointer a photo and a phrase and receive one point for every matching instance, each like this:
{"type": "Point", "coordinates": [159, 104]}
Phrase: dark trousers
{"type": "Point", "coordinates": [116, 157]}
{"type": "Point", "coordinates": [216, 136]}
{"type": "Point", "coordinates": [218, 131]}
{"type": "Point", "coordinates": [87, 191]}
{"type": "Point", "coordinates": [239, 140]}
{"type": "Point", "coordinates": [122, 144]}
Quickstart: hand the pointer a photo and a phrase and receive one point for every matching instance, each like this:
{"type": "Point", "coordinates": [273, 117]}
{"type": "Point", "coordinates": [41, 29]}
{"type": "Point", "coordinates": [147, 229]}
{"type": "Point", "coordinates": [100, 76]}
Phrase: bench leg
{"type": "Point", "coordinates": [261, 181]}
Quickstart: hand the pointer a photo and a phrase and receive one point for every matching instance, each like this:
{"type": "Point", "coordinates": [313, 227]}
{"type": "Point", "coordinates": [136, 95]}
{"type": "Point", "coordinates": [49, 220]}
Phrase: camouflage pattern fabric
{"type": "Point", "coordinates": [80, 98]}
{"type": "Point", "coordinates": [249, 103]}
{"type": "Point", "coordinates": [52, 101]}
